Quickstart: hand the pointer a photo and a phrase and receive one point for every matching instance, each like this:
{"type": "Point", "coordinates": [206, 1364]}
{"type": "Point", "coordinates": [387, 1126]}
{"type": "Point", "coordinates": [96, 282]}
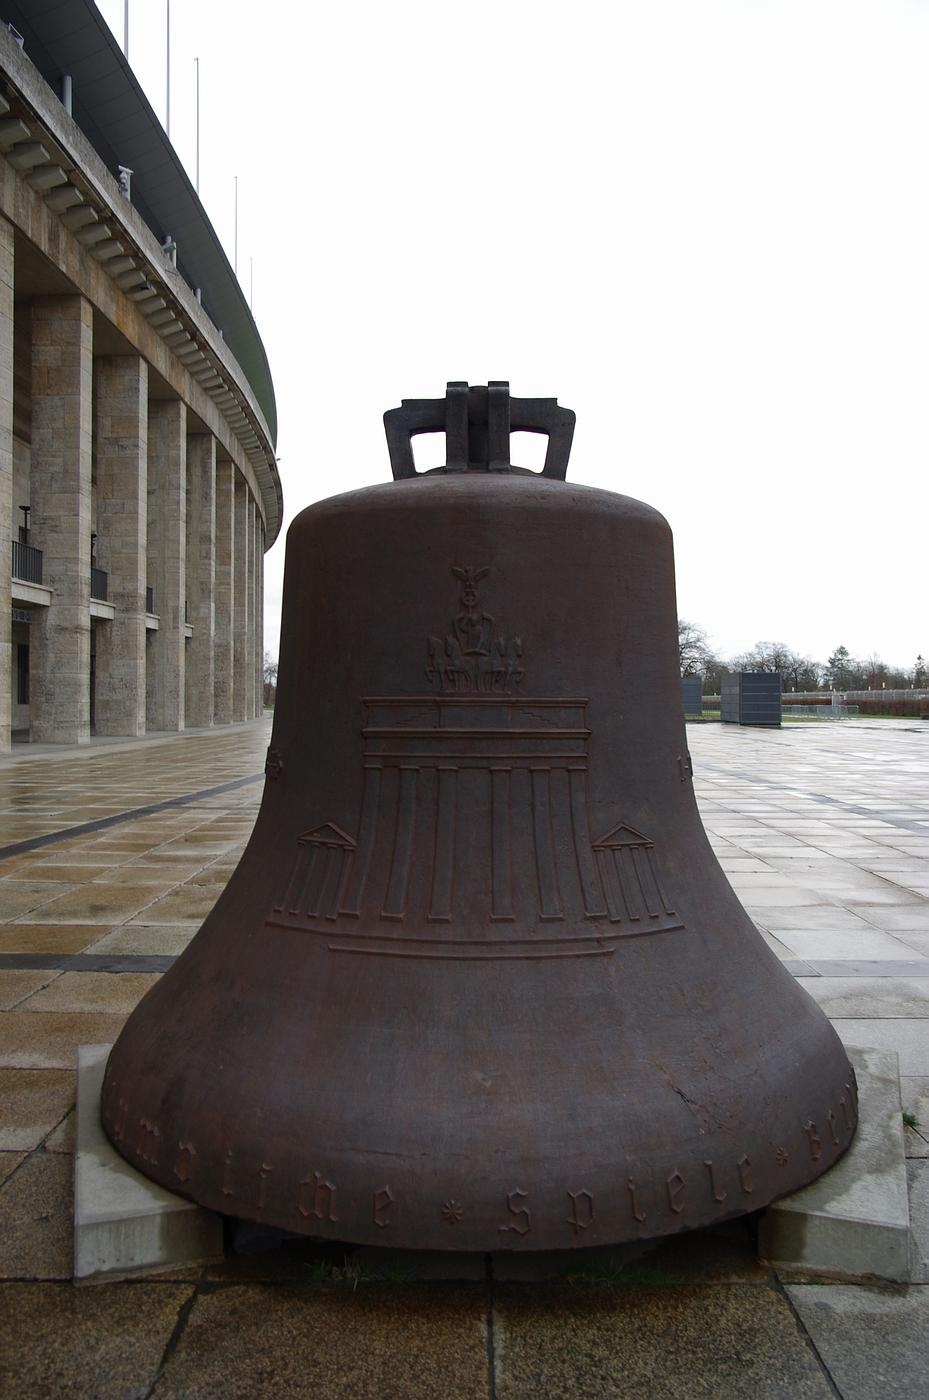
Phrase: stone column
{"type": "Point", "coordinates": [121, 467]}
{"type": "Point", "coordinates": [251, 611]}
{"type": "Point", "coordinates": [6, 475]}
{"type": "Point", "coordinates": [201, 576]}
{"type": "Point", "coordinates": [62, 370]}
{"type": "Point", "coordinates": [259, 620]}
{"type": "Point", "coordinates": [223, 591]}
{"type": "Point", "coordinates": [240, 639]}
{"type": "Point", "coordinates": [167, 560]}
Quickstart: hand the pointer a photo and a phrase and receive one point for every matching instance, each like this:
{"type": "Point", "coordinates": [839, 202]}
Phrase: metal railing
{"type": "Point", "coordinates": [817, 712]}
{"type": "Point", "coordinates": [27, 562]}
{"type": "Point", "coordinates": [98, 584]}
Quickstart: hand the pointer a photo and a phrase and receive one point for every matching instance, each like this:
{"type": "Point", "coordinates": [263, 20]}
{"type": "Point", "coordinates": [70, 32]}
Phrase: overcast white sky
{"type": "Point", "coordinates": [702, 225]}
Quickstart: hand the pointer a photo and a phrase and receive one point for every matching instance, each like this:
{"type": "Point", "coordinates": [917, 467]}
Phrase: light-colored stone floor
{"type": "Point", "coordinates": [824, 832]}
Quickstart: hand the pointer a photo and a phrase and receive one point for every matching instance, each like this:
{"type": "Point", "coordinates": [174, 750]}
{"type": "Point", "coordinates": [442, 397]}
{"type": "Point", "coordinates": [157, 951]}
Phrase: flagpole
{"type": "Point", "coordinates": [197, 62]}
{"type": "Point", "coordinates": [168, 67]}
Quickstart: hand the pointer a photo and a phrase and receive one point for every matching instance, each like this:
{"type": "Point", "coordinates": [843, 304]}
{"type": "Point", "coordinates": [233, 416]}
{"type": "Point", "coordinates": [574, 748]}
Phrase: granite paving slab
{"type": "Point", "coordinates": [909, 1038]}
{"type": "Point", "coordinates": [98, 904]}
{"type": "Point", "coordinates": [32, 1102]}
{"type": "Point", "coordinates": [158, 877]}
{"type": "Point", "coordinates": [92, 991]}
{"type": "Point", "coordinates": [49, 938]}
{"type": "Point", "coordinates": [898, 918]}
{"type": "Point", "coordinates": [917, 939]}
{"type": "Point", "coordinates": [16, 984]}
{"type": "Point", "coordinates": [36, 1214]}
{"type": "Point", "coordinates": [105, 1343]}
{"type": "Point", "coordinates": [598, 1342]}
{"type": "Point", "coordinates": [769, 897]}
{"type": "Point", "coordinates": [873, 1341]}
{"type": "Point", "coordinates": [775, 944]}
{"type": "Point", "coordinates": [49, 1039]}
{"type": "Point", "coordinates": [848, 997]}
{"type": "Point", "coordinates": [810, 917]}
{"type": "Point", "coordinates": [894, 895]}
{"type": "Point", "coordinates": [737, 864]}
{"type": "Point", "coordinates": [821, 945]}
{"type": "Point", "coordinates": [61, 1138]}
{"type": "Point", "coordinates": [850, 967]}
{"type": "Point", "coordinates": [917, 1171]}
{"type": "Point", "coordinates": [374, 1342]}
{"type": "Point", "coordinates": [156, 939]}
{"type": "Point", "coordinates": [217, 875]}
{"type": "Point", "coordinates": [914, 1094]}
{"type": "Point", "coordinates": [84, 859]}
{"type": "Point", "coordinates": [65, 874]}
{"type": "Point", "coordinates": [19, 897]}
{"type": "Point", "coordinates": [9, 1161]}
{"type": "Point", "coordinates": [185, 905]}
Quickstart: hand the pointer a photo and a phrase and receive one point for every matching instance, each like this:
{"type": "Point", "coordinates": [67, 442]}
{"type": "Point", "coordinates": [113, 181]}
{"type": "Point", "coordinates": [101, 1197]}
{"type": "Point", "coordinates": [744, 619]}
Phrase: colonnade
{"type": "Point", "coordinates": [134, 598]}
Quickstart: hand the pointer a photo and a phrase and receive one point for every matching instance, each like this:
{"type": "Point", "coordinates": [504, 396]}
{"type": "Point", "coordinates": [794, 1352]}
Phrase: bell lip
{"type": "Point", "coordinates": [365, 1239]}
{"type": "Point", "coordinates": [417, 1235]}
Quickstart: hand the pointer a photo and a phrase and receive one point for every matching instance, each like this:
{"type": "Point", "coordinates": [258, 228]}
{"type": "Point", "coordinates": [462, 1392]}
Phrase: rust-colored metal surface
{"type": "Point", "coordinates": [478, 982]}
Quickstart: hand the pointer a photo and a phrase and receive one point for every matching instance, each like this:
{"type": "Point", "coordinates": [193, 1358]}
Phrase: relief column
{"type": "Point", "coordinates": [62, 371]}
{"type": "Point", "coordinates": [120, 460]}
{"type": "Point", "coordinates": [201, 577]}
{"type": "Point", "coordinates": [225, 570]}
{"type": "Point", "coordinates": [167, 560]}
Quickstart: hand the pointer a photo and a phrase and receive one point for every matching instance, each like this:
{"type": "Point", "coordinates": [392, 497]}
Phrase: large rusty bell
{"type": "Point", "coordinates": [478, 982]}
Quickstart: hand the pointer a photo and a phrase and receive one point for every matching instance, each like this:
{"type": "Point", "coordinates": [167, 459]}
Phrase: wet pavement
{"type": "Point", "coordinates": [110, 858]}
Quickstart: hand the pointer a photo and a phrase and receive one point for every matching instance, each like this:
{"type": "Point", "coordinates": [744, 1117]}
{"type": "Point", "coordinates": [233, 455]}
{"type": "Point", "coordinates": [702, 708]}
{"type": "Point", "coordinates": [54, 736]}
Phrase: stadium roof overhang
{"type": "Point", "coordinates": [71, 37]}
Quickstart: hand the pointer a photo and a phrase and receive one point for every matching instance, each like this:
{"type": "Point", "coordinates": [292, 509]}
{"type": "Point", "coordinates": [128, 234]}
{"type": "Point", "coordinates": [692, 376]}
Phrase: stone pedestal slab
{"type": "Point", "coordinates": [122, 1221]}
{"type": "Point", "coordinates": [854, 1222]}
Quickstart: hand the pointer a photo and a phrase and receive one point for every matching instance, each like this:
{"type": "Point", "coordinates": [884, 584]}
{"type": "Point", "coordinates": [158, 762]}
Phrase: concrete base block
{"type": "Point", "coordinates": [122, 1221]}
{"type": "Point", "coordinates": [854, 1222]}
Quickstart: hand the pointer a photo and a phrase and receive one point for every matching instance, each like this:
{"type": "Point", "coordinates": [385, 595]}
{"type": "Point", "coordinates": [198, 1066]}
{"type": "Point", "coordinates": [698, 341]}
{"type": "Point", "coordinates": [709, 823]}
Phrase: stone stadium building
{"type": "Point", "coordinates": [138, 483]}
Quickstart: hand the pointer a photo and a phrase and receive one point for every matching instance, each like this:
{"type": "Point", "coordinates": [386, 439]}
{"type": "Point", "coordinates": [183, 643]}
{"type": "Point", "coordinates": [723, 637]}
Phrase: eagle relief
{"type": "Point", "coordinates": [470, 657]}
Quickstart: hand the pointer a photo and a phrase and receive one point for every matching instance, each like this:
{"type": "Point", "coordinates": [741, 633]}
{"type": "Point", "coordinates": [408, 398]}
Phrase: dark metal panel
{"type": "Point", "coordinates": [729, 699]}
{"type": "Point", "coordinates": [751, 697]}
{"type": "Point", "coordinates": [692, 689]}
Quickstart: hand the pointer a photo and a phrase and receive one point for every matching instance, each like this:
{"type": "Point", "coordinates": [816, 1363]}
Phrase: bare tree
{"type": "Point", "coordinates": [694, 652]}
{"type": "Point", "coordinates": [876, 672]}
{"type": "Point", "coordinates": [763, 656]}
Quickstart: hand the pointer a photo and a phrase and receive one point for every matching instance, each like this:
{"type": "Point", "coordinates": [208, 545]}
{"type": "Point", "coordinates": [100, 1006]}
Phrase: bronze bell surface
{"type": "Point", "coordinates": [478, 982]}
